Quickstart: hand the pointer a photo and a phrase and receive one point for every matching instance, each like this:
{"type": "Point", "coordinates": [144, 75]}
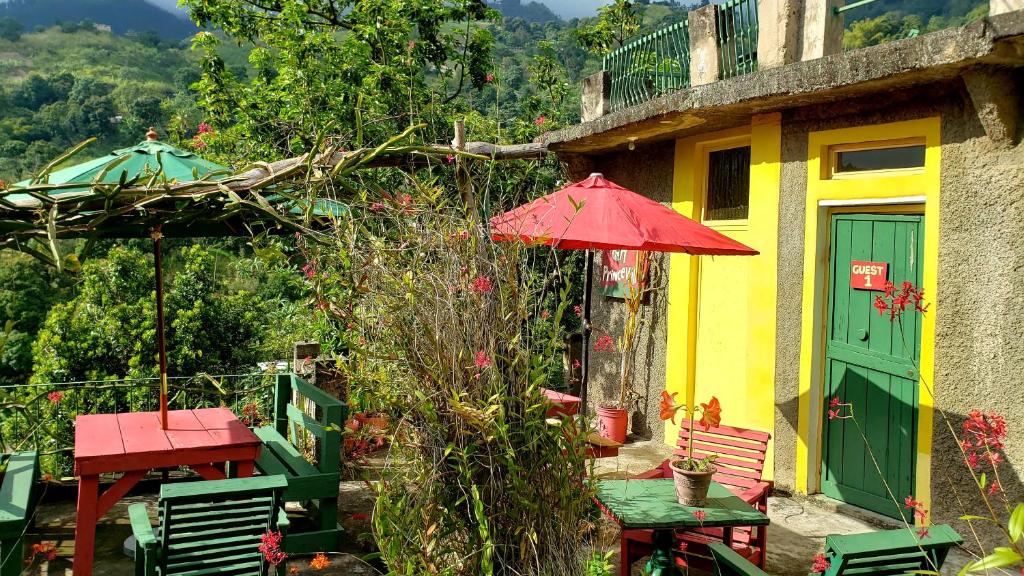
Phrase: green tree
{"type": "Point", "coordinates": [323, 62]}
{"type": "Point", "coordinates": [10, 29]}
{"type": "Point", "coordinates": [616, 22]}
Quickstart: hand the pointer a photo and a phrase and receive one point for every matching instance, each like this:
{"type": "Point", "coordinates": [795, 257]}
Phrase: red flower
{"type": "Point", "coordinates": [404, 200]}
{"type": "Point", "coordinates": [490, 77]}
{"type": "Point", "coordinates": [834, 402]}
{"type": "Point", "coordinates": [880, 305]}
{"type": "Point", "coordinates": [540, 120]}
{"type": "Point", "coordinates": [909, 502]}
{"type": "Point", "coordinates": [578, 310]}
{"type": "Point", "coordinates": [251, 414]}
{"type": "Point", "coordinates": [994, 488]}
{"type": "Point", "coordinates": [464, 235]}
{"type": "Point", "coordinates": [922, 532]}
{"type": "Point", "coordinates": [55, 397]}
{"type": "Point", "coordinates": [198, 142]}
{"type": "Point", "coordinates": [604, 343]}
{"type": "Point", "coordinates": [309, 270]}
{"type": "Point", "coordinates": [3, 185]}
{"type": "Point", "coordinates": [820, 564]}
{"type": "Point", "coordinates": [449, 158]}
{"type": "Point", "coordinates": [481, 360]}
{"type": "Point", "coordinates": [482, 285]}
{"type": "Point", "coordinates": [377, 206]}
{"type": "Point", "coordinates": [319, 562]}
{"type": "Point", "coordinates": [667, 408]}
{"type": "Point", "coordinates": [576, 364]}
{"type": "Point", "coordinates": [711, 414]}
{"type": "Point", "coordinates": [205, 128]}
{"type": "Point", "coordinates": [545, 314]}
{"type": "Point", "coordinates": [700, 515]}
{"type": "Point", "coordinates": [270, 547]}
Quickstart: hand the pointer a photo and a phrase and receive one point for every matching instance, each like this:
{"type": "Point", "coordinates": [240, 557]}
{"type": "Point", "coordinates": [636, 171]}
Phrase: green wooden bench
{"type": "Point", "coordinates": [209, 527]}
{"type": "Point", "coordinates": [17, 501]}
{"type": "Point", "coordinates": [883, 552]}
{"type": "Point", "coordinates": [313, 486]}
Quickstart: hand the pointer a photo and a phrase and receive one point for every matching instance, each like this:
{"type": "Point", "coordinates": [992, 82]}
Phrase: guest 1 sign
{"type": "Point", "coordinates": [866, 275]}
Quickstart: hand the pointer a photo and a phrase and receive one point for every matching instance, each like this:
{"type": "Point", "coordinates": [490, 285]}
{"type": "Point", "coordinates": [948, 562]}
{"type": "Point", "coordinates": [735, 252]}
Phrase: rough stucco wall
{"type": "Point", "coordinates": [980, 327]}
{"type": "Point", "coordinates": [647, 170]}
{"type": "Point", "coordinates": [979, 352]}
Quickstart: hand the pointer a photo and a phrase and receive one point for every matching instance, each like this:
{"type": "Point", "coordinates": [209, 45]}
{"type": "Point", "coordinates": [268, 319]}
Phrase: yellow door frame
{"type": "Point", "coordinates": [913, 190]}
{"type": "Point", "coordinates": [764, 135]}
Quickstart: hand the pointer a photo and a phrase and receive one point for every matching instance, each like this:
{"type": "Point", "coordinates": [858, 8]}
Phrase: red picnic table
{"type": "Point", "coordinates": [133, 443]}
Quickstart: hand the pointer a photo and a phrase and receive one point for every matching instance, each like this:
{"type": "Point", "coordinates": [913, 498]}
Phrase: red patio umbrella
{"type": "Point", "coordinates": [598, 214]}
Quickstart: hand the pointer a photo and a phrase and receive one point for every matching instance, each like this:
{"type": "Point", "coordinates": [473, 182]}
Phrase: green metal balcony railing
{"type": "Point", "coordinates": [659, 63]}
{"type": "Point", "coordinates": [650, 66]}
{"type": "Point", "coordinates": [737, 38]}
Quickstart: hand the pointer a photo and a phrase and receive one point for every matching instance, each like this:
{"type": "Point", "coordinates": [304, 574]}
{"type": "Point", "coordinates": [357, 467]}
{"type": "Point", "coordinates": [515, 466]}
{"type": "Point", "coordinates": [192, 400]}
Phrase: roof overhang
{"type": "Point", "coordinates": [896, 66]}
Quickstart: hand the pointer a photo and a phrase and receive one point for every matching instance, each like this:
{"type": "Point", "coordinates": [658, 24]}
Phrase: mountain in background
{"type": "Point", "coordinates": [122, 16]}
{"type": "Point", "coordinates": [530, 11]}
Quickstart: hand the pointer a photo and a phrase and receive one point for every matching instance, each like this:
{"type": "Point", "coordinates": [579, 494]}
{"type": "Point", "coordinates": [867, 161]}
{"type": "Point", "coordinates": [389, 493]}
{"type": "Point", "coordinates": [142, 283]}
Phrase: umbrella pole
{"type": "Point", "coordinates": [588, 284]}
{"type": "Point", "coordinates": [161, 339]}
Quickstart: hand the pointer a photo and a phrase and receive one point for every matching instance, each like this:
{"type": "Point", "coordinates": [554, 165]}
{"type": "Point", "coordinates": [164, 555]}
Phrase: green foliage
{"type": "Point", "coordinates": [486, 485]}
{"type": "Point", "coordinates": [909, 18]}
{"type": "Point", "coordinates": [321, 64]}
{"type": "Point", "coordinates": [616, 23]}
{"type": "Point", "coordinates": [108, 330]}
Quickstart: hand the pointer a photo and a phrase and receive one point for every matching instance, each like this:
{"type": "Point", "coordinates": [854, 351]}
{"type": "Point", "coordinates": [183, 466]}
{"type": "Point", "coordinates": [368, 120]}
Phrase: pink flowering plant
{"type": "Point", "coordinates": [980, 438]}
{"type": "Point", "coordinates": [452, 324]}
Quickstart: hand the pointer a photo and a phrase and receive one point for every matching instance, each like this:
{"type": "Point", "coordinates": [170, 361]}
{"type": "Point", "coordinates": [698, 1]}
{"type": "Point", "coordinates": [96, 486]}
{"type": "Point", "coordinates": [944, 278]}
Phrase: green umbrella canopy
{"type": "Point", "coordinates": [141, 160]}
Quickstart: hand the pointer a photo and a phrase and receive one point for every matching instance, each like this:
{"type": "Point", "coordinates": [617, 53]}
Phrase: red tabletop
{"type": "Point", "coordinates": [133, 443]}
{"type": "Point", "coordinates": [561, 403]}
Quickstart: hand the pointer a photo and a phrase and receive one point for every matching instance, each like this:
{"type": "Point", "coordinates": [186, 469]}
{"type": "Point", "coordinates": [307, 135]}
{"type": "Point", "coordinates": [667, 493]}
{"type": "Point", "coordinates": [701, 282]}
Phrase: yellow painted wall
{"type": "Point", "coordinates": [721, 310]}
{"type": "Point", "coordinates": [879, 187]}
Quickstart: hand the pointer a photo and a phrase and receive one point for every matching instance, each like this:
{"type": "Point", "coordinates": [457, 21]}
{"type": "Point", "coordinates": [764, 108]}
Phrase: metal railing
{"type": "Point", "coordinates": [737, 38]}
{"type": "Point", "coordinates": [650, 66]}
{"type": "Point", "coordinates": [41, 416]}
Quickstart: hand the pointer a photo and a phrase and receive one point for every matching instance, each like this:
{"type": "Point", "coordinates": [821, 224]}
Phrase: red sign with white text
{"type": "Point", "coordinates": [866, 275]}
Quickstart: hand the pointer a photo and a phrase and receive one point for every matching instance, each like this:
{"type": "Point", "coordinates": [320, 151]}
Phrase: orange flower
{"type": "Point", "coordinates": [668, 406]}
{"type": "Point", "coordinates": [319, 562]}
{"type": "Point", "coordinates": [711, 414]}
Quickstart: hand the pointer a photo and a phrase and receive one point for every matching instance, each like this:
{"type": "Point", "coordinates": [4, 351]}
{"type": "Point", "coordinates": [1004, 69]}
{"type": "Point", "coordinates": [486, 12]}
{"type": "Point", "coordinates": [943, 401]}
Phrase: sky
{"type": "Point", "coordinates": [564, 8]}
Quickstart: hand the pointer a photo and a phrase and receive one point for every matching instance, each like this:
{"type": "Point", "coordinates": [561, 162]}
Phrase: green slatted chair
{"type": "Point", "coordinates": [209, 527]}
{"type": "Point", "coordinates": [18, 497]}
{"type": "Point", "coordinates": [874, 553]}
{"type": "Point", "coordinates": [314, 486]}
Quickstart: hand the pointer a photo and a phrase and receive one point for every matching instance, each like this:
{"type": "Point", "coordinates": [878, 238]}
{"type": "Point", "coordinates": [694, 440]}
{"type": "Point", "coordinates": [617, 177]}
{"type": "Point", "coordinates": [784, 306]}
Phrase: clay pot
{"type": "Point", "coordinates": [691, 487]}
{"type": "Point", "coordinates": [612, 423]}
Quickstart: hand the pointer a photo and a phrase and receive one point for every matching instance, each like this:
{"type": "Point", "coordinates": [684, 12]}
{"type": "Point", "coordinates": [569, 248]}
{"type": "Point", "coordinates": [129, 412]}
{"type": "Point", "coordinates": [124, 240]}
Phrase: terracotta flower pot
{"type": "Point", "coordinates": [612, 423]}
{"type": "Point", "coordinates": [691, 487]}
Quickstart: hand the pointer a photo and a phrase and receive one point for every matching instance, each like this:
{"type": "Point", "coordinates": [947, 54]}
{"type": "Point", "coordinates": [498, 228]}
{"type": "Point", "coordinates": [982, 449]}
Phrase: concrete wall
{"type": "Point", "coordinates": [979, 352]}
{"type": "Point", "coordinates": [648, 171]}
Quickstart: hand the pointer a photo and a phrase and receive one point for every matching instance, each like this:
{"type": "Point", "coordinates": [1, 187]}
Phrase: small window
{"type": "Point", "coordinates": [891, 158]}
{"type": "Point", "coordinates": [728, 196]}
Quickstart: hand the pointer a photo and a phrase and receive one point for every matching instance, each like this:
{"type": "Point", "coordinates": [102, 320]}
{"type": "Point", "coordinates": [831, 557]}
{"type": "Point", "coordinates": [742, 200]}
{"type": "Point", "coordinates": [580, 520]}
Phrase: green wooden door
{"type": "Point", "coordinates": [870, 362]}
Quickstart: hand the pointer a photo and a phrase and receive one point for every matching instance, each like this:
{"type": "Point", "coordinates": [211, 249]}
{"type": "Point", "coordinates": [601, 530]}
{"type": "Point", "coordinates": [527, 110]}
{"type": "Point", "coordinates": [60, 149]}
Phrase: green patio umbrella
{"type": "Point", "coordinates": [145, 159]}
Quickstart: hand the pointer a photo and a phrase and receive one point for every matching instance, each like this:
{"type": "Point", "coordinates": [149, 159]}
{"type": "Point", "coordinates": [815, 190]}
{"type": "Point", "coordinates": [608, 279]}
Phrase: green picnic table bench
{"type": "Point", "coordinates": [314, 485]}
{"type": "Point", "coordinates": [17, 502]}
{"type": "Point", "coordinates": [209, 527]}
{"type": "Point", "coordinates": [883, 552]}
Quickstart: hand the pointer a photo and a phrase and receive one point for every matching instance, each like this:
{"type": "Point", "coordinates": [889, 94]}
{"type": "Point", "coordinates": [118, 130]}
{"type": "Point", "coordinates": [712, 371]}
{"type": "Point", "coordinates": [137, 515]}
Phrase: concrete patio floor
{"type": "Point", "coordinates": [798, 526]}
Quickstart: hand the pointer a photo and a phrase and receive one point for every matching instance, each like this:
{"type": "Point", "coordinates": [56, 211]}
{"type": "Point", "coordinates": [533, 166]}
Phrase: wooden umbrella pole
{"type": "Point", "coordinates": [161, 338]}
{"type": "Point", "coordinates": [588, 282]}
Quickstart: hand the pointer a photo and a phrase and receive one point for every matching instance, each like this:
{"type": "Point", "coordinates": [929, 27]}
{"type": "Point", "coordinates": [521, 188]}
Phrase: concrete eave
{"type": "Point", "coordinates": [936, 57]}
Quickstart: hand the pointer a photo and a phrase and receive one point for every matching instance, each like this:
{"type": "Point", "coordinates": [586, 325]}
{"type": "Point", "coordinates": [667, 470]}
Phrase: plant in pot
{"type": "Point", "coordinates": [692, 475]}
{"type": "Point", "coordinates": [613, 417]}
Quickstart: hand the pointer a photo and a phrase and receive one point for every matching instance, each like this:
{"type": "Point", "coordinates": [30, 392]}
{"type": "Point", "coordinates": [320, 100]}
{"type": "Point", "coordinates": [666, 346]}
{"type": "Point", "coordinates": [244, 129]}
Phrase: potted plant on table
{"type": "Point", "coordinates": [692, 475]}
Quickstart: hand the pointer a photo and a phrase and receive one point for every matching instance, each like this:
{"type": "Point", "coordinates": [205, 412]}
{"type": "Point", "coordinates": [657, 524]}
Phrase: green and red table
{"type": "Point", "coordinates": [134, 443]}
{"type": "Point", "coordinates": [652, 505]}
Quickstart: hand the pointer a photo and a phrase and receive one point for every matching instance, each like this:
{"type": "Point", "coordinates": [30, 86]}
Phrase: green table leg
{"type": "Point", "coordinates": [661, 562]}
